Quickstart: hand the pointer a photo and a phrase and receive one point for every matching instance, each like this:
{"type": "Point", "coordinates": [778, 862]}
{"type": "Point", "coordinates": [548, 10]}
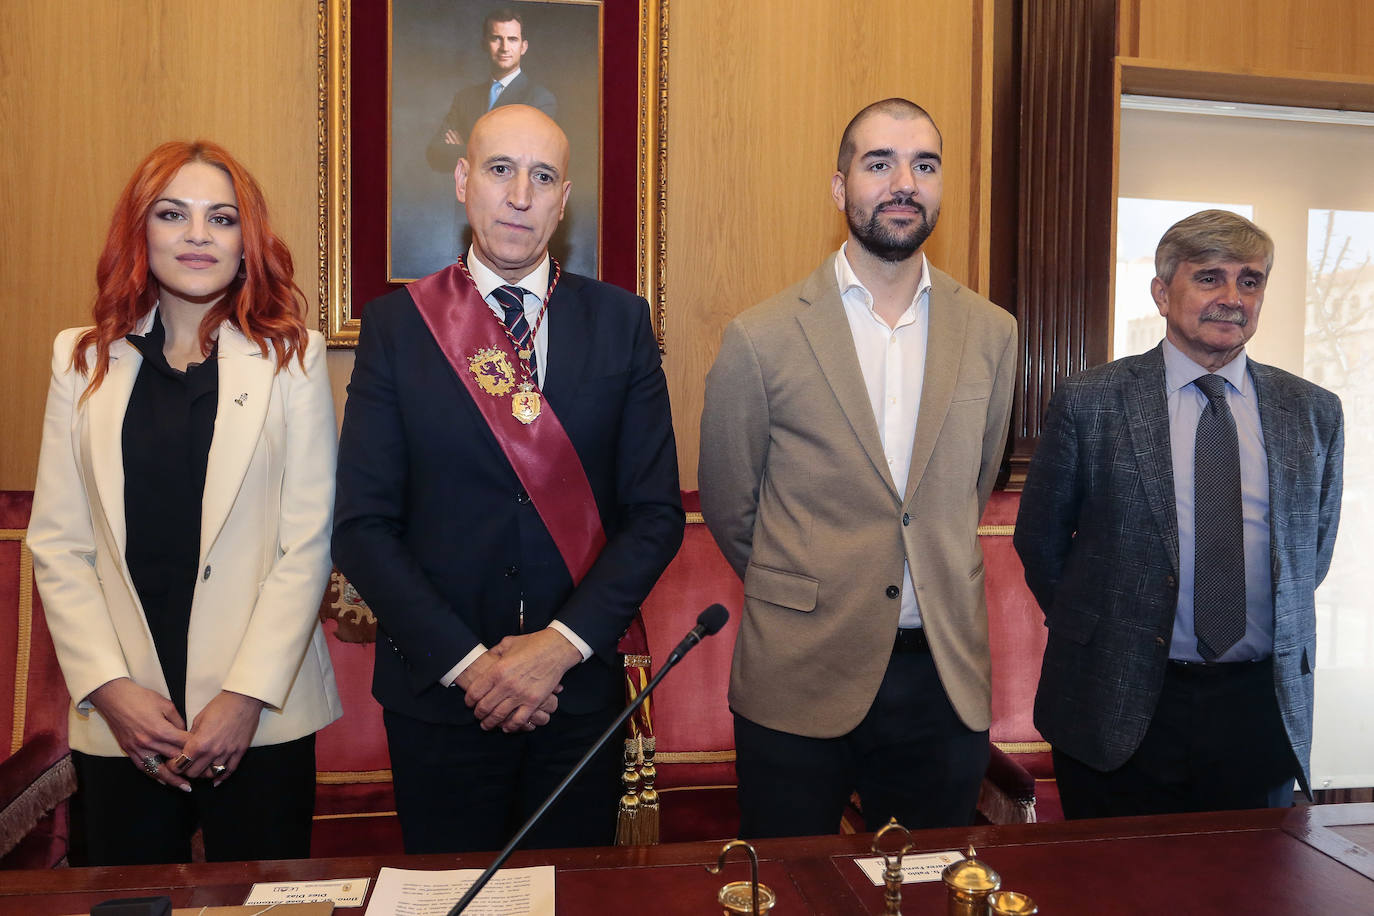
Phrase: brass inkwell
{"type": "Point", "coordinates": [741, 897]}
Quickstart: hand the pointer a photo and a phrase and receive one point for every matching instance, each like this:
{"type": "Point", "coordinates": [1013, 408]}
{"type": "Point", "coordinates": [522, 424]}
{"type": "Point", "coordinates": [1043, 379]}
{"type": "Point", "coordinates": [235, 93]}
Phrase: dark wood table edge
{"type": "Point", "coordinates": [814, 862]}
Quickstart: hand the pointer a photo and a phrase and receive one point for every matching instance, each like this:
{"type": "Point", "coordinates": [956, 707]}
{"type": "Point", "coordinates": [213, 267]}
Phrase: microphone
{"type": "Point", "coordinates": [709, 623]}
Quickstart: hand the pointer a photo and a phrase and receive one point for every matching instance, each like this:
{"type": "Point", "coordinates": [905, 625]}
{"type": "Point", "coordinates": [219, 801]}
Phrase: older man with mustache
{"type": "Point", "coordinates": [854, 426]}
{"type": "Point", "coordinates": [1177, 518]}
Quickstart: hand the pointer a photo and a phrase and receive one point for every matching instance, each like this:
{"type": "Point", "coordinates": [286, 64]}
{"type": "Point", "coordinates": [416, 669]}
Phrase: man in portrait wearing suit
{"type": "Point", "coordinates": [507, 496]}
{"type": "Point", "coordinates": [505, 43]}
{"type": "Point", "coordinates": [853, 428]}
{"type": "Point", "coordinates": [1178, 515]}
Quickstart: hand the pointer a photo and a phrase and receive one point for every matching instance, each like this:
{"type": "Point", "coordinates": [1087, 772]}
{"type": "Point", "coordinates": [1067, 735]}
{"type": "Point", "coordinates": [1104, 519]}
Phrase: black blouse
{"type": "Point", "coordinates": [168, 426]}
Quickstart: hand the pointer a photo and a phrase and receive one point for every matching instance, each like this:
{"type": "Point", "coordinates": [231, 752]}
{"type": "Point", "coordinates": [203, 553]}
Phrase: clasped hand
{"type": "Point", "coordinates": [514, 685]}
{"type": "Point", "coordinates": [147, 725]}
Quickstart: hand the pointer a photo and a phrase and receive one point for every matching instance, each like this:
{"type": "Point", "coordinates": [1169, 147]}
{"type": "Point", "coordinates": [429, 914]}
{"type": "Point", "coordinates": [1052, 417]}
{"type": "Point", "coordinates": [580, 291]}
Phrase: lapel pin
{"type": "Point", "coordinates": [241, 398]}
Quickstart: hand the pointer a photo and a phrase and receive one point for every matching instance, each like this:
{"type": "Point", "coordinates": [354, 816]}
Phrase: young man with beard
{"type": "Point", "coordinates": [853, 428]}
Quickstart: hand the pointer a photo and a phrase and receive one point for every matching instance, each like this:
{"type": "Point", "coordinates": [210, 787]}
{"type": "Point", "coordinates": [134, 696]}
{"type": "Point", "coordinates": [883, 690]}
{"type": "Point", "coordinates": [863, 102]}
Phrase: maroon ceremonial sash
{"type": "Point", "coordinates": [541, 452]}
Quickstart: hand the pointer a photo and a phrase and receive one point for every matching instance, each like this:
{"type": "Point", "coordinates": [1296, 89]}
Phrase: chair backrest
{"type": "Point", "coordinates": [693, 728]}
{"type": "Point", "coordinates": [355, 807]}
{"type": "Point", "coordinates": [1016, 626]}
{"type": "Point", "coordinates": [29, 674]}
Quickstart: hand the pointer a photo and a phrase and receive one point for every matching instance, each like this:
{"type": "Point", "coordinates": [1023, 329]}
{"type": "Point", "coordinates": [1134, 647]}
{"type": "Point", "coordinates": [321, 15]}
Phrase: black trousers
{"type": "Point", "coordinates": [1216, 743]}
{"type": "Point", "coordinates": [911, 758]}
{"type": "Point", "coordinates": [263, 811]}
{"type": "Point", "coordinates": [462, 789]}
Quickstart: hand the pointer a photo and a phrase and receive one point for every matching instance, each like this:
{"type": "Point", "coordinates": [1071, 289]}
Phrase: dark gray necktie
{"type": "Point", "coordinates": [1219, 560]}
{"type": "Point", "coordinates": [512, 301]}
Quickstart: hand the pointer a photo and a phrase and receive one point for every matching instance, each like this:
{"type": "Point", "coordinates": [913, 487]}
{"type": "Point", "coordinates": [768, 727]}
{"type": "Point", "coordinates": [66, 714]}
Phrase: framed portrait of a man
{"type": "Point", "coordinates": [403, 81]}
{"type": "Point", "coordinates": [451, 62]}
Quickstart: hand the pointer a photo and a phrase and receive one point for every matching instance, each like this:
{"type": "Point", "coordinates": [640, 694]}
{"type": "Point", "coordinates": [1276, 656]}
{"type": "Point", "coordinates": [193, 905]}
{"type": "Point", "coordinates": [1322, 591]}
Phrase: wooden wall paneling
{"type": "Point", "coordinates": [1064, 256]}
{"type": "Point", "coordinates": [1312, 36]}
{"type": "Point", "coordinates": [1260, 87]}
{"type": "Point", "coordinates": [86, 90]}
{"type": "Point", "coordinates": [758, 95]}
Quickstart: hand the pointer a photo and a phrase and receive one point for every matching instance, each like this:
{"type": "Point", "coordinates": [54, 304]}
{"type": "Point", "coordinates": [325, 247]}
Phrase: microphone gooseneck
{"type": "Point", "coordinates": [709, 622]}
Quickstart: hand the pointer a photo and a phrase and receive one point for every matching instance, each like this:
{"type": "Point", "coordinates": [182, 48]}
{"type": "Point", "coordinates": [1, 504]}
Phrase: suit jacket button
{"type": "Point", "coordinates": [1169, 581]}
{"type": "Point", "coordinates": [1159, 640]}
{"type": "Point", "coordinates": [512, 572]}
{"type": "Point", "coordinates": [522, 497]}
{"type": "Point", "coordinates": [906, 518]}
{"type": "Point", "coordinates": [205, 576]}
{"type": "Point", "coordinates": [893, 591]}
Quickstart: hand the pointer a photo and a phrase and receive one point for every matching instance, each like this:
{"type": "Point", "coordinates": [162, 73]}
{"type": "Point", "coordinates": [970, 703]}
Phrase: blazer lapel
{"type": "Point", "coordinates": [827, 330]}
{"type": "Point", "coordinates": [568, 349]}
{"type": "Point", "coordinates": [944, 348]}
{"type": "Point", "coordinates": [1280, 457]}
{"type": "Point", "coordinates": [105, 411]}
{"type": "Point", "coordinates": [1147, 420]}
{"type": "Point", "coordinates": [245, 387]}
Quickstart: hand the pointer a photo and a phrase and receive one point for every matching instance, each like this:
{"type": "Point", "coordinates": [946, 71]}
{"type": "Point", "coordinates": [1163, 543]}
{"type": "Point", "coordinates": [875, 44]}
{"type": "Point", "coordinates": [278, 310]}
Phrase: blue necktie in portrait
{"type": "Point", "coordinates": [496, 88]}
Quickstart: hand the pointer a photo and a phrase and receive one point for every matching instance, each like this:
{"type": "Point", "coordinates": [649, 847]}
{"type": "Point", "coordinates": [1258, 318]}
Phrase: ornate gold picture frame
{"type": "Point", "coordinates": [352, 131]}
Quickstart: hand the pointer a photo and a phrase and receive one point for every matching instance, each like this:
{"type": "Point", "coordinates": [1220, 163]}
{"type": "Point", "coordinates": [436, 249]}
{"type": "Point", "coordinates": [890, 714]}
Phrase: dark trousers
{"type": "Point", "coordinates": [462, 789]}
{"type": "Point", "coordinates": [263, 811]}
{"type": "Point", "coordinates": [911, 758]}
{"type": "Point", "coordinates": [1216, 743]}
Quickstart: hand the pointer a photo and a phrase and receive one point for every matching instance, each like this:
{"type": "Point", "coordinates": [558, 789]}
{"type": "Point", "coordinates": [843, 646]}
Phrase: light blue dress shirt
{"type": "Point", "coordinates": [1186, 402]}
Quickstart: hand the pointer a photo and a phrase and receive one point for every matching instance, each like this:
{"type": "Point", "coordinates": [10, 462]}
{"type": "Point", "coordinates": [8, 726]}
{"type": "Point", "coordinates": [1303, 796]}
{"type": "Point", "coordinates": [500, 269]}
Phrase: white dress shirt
{"type": "Point", "coordinates": [535, 284]}
{"type": "Point", "coordinates": [893, 361]}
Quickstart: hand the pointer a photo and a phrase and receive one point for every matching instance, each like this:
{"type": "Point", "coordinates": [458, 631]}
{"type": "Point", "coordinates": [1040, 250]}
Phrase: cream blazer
{"type": "Point", "coordinates": [264, 541]}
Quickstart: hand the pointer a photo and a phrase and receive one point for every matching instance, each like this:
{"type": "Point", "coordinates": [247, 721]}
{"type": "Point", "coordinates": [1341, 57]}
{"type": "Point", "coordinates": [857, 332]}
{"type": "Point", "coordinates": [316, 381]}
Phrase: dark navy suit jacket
{"type": "Point", "coordinates": [433, 528]}
{"type": "Point", "coordinates": [1098, 535]}
{"type": "Point", "coordinates": [470, 103]}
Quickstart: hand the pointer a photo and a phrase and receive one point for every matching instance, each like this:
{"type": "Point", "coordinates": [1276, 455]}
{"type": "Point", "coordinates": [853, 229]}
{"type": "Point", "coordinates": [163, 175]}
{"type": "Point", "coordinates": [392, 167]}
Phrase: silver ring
{"type": "Point", "coordinates": [218, 769]}
{"type": "Point", "coordinates": [150, 764]}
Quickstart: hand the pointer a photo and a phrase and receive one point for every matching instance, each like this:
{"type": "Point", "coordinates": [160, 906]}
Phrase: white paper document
{"type": "Point", "coordinates": [344, 892]}
{"type": "Point", "coordinates": [915, 869]}
{"type": "Point", "coordinates": [510, 892]}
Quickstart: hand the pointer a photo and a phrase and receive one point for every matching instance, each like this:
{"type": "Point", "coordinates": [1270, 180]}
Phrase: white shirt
{"type": "Point", "coordinates": [535, 284]}
{"type": "Point", "coordinates": [893, 361]}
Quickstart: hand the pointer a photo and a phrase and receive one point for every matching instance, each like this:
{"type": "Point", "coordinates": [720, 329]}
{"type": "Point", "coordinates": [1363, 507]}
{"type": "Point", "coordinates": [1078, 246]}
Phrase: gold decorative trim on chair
{"type": "Point", "coordinates": [696, 757]}
{"type": "Point", "coordinates": [352, 815]}
{"type": "Point", "coordinates": [1023, 747]}
{"type": "Point", "coordinates": [696, 518]}
{"type": "Point", "coordinates": [23, 635]}
{"type": "Point", "coordinates": [351, 777]}
{"type": "Point", "coordinates": [996, 531]}
{"type": "Point", "coordinates": [695, 788]}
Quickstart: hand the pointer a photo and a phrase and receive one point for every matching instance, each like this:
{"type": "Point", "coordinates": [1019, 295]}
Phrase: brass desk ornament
{"type": "Point", "coordinates": [1011, 903]}
{"type": "Point", "coordinates": [969, 882]}
{"type": "Point", "coordinates": [892, 867]}
{"type": "Point", "coordinates": [740, 897]}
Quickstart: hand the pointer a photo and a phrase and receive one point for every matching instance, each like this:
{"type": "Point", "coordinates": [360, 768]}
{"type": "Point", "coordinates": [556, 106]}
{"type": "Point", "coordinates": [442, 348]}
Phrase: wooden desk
{"type": "Point", "coordinates": [1311, 860]}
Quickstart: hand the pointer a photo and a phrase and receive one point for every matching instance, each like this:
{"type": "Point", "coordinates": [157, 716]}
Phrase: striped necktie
{"type": "Point", "coordinates": [512, 301]}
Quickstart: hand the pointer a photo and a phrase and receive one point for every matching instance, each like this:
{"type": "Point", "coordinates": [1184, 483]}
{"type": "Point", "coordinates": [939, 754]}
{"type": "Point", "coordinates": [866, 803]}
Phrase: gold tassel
{"type": "Point", "coordinates": [647, 828]}
{"type": "Point", "coordinates": [627, 824]}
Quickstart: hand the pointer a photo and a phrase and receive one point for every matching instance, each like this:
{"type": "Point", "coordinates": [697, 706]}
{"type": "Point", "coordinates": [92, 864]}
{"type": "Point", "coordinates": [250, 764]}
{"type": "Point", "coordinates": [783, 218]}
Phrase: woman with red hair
{"type": "Point", "coordinates": [180, 528]}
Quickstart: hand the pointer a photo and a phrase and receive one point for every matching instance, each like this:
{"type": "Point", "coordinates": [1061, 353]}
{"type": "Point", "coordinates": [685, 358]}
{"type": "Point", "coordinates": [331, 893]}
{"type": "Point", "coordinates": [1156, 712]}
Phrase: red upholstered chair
{"type": "Point", "coordinates": [36, 774]}
{"type": "Point", "coordinates": [355, 806]}
{"type": "Point", "coordinates": [1016, 630]}
{"type": "Point", "coordinates": [693, 729]}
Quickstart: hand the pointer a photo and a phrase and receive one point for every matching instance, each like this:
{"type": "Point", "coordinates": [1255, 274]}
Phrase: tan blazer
{"type": "Point", "coordinates": [264, 542]}
{"type": "Point", "coordinates": [796, 491]}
